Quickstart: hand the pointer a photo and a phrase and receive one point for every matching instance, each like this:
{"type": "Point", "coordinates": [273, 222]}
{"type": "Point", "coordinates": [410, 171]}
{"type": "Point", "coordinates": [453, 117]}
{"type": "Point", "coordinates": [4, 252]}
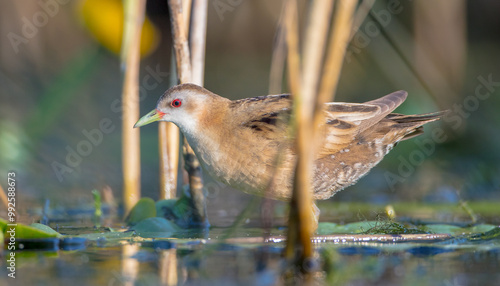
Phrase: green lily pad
{"type": "Point", "coordinates": [444, 228]}
{"type": "Point", "coordinates": [22, 231]}
{"type": "Point", "coordinates": [393, 227]}
{"type": "Point", "coordinates": [145, 208]}
{"type": "Point", "coordinates": [45, 228]}
{"type": "Point", "coordinates": [155, 227]}
{"type": "Point", "coordinates": [481, 228]}
{"type": "Point", "coordinates": [491, 234]}
{"type": "Point", "coordinates": [325, 228]}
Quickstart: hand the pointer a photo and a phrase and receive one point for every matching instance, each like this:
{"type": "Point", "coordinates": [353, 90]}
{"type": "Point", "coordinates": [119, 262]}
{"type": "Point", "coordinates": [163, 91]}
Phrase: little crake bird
{"type": "Point", "coordinates": [237, 142]}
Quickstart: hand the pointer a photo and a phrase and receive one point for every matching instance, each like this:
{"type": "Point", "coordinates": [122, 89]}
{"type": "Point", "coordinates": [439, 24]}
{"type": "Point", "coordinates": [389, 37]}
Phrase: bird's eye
{"type": "Point", "coordinates": [176, 103]}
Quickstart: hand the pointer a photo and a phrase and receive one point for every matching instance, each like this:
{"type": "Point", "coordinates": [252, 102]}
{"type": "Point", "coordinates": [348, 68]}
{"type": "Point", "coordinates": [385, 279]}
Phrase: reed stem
{"type": "Point", "coordinates": [278, 57]}
{"type": "Point", "coordinates": [134, 18]}
{"type": "Point", "coordinates": [339, 38]}
{"type": "Point", "coordinates": [299, 230]}
{"type": "Point", "coordinates": [309, 96]}
{"type": "Point", "coordinates": [198, 40]}
{"type": "Point", "coordinates": [184, 75]}
{"type": "Point", "coordinates": [168, 145]}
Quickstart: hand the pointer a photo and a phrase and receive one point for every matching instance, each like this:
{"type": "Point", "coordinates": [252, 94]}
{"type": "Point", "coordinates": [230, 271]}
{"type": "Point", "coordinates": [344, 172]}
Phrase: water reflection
{"type": "Point", "coordinates": [167, 270]}
{"type": "Point", "coordinates": [130, 265]}
{"type": "Point", "coordinates": [120, 258]}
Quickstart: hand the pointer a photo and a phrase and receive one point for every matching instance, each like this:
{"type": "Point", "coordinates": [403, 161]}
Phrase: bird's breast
{"type": "Point", "coordinates": [234, 161]}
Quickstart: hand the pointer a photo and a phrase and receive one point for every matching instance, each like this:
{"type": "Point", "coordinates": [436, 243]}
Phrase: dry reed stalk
{"type": "Point", "coordinates": [314, 49]}
{"type": "Point", "coordinates": [168, 145]}
{"type": "Point", "coordinates": [299, 232]}
{"type": "Point", "coordinates": [278, 57]}
{"type": "Point", "coordinates": [309, 96]}
{"type": "Point", "coordinates": [275, 87]}
{"type": "Point", "coordinates": [180, 41]}
{"type": "Point", "coordinates": [359, 18]}
{"type": "Point", "coordinates": [301, 215]}
{"type": "Point", "coordinates": [339, 38]}
{"type": "Point", "coordinates": [186, 13]}
{"type": "Point", "coordinates": [313, 52]}
{"type": "Point", "coordinates": [292, 41]}
{"type": "Point", "coordinates": [134, 17]}
{"type": "Point", "coordinates": [198, 40]}
{"type": "Point", "coordinates": [184, 75]}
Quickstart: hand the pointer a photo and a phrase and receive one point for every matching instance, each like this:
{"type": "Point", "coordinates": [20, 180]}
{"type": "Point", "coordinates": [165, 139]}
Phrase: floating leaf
{"type": "Point", "coordinates": [22, 231]}
{"type": "Point", "coordinates": [444, 228]}
{"type": "Point", "coordinates": [145, 208]}
{"type": "Point", "coordinates": [481, 228]}
{"type": "Point", "coordinates": [325, 228]}
{"type": "Point", "coordinates": [155, 227]}
{"type": "Point", "coordinates": [491, 234]}
{"type": "Point", "coordinates": [45, 228]}
{"type": "Point", "coordinates": [393, 227]}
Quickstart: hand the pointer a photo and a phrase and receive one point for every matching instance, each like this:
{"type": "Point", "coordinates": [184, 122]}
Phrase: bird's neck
{"type": "Point", "coordinates": [204, 133]}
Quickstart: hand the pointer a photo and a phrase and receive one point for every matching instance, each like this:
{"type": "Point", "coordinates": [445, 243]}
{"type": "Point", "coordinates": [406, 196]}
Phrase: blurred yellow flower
{"type": "Point", "coordinates": [104, 20]}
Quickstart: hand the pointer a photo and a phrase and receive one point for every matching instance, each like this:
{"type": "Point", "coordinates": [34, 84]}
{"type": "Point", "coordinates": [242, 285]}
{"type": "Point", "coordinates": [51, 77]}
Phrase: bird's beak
{"type": "Point", "coordinates": [153, 116]}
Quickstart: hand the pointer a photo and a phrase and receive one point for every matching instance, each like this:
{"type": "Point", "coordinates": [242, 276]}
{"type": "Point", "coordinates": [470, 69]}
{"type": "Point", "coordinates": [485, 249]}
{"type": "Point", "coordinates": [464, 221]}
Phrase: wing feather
{"type": "Point", "coordinates": [265, 116]}
{"type": "Point", "coordinates": [346, 120]}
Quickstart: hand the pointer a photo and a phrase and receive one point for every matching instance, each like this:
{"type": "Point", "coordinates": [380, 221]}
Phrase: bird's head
{"type": "Point", "coordinates": [182, 104]}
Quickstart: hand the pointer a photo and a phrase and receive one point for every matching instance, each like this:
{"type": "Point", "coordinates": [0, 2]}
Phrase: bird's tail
{"type": "Point", "coordinates": [413, 124]}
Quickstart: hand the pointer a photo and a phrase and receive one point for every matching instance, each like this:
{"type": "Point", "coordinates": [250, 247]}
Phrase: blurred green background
{"type": "Point", "coordinates": [61, 81]}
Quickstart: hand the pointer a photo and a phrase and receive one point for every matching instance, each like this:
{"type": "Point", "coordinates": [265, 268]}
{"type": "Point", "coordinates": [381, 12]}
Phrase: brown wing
{"type": "Point", "coordinates": [266, 116]}
{"type": "Point", "coordinates": [346, 120]}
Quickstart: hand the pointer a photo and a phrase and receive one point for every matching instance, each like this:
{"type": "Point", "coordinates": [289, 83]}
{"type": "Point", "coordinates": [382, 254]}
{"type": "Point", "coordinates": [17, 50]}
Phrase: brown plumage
{"type": "Point", "coordinates": [237, 141]}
